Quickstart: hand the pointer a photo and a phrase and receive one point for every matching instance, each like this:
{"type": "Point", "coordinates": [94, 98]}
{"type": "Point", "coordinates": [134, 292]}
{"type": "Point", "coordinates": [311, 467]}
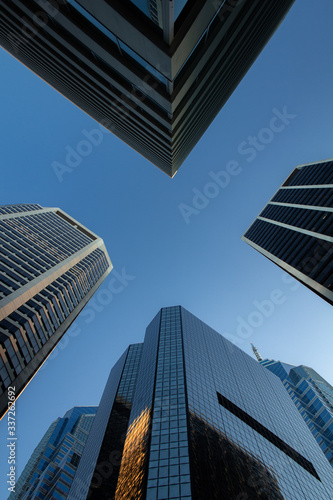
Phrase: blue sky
{"type": "Point", "coordinates": [203, 264]}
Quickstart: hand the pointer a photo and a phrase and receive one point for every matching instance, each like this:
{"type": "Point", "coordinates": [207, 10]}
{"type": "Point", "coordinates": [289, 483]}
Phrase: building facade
{"type": "Point", "coordinates": [313, 397]}
{"type": "Point", "coordinates": [50, 266]}
{"type": "Point", "coordinates": [295, 229]}
{"type": "Point", "coordinates": [101, 462]}
{"type": "Point", "coordinates": [205, 421]}
{"type": "Point", "coordinates": [155, 73]}
{"type": "Point", "coordinates": [50, 470]}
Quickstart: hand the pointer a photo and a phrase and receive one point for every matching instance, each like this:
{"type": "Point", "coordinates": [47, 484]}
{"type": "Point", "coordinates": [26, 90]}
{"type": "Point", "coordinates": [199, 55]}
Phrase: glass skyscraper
{"type": "Point", "coordinates": [313, 397]}
{"type": "Point", "coordinates": [153, 72]}
{"type": "Point", "coordinates": [295, 229]}
{"type": "Point", "coordinates": [50, 470]}
{"type": "Point", "coordinates": [187, 415]}
{"type": "Point", "coordinates": [50, 266]}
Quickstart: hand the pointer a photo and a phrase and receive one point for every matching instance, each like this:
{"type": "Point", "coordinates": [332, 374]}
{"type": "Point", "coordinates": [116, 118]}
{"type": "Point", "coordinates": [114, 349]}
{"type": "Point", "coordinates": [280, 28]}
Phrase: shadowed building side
{"type": "Point", "coordinates": [295, 229]}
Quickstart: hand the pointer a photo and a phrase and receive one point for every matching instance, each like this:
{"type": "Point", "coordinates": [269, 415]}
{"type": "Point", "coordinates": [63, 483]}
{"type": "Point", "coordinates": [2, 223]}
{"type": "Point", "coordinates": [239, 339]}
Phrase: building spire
{"type": "Point", "coordinates": [256, 353]}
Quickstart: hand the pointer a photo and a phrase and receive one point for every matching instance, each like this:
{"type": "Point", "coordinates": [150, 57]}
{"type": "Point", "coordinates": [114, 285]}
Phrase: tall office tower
{"type": "Point", "coordinates": [50, 470]}
{"type": "Point", "coordinates": [204, 421]}
{"type": "Point", "coordinates": [153, 72]}
{"type": "Point", "coordinates": [313, 397]}
{"type": "Point", "coordinates": [50, 266]}
{"type": "Point", "coordinates": [295, 229]}
{"type": "Point", "coordinates": [101, 462]}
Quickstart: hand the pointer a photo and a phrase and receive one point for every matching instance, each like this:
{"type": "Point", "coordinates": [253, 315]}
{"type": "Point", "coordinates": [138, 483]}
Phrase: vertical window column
{"type": "Point", "coordinates": [169, 469]}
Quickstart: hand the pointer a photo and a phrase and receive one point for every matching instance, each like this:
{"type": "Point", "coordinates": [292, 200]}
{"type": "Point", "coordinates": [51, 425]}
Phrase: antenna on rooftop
{"type": "Point", "coordinates": [256, 353]}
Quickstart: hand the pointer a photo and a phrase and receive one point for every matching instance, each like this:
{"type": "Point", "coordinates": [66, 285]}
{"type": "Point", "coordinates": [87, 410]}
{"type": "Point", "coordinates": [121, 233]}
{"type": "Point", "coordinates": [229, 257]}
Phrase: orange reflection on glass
{"type": "Point", "coordinates": [132, 474]}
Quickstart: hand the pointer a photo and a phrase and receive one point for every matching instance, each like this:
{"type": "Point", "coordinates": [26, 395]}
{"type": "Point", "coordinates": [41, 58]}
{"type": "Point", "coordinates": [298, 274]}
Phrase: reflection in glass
{"type": "Point", "coordinates": [134, 460]}
{"type": "Point", "coordinates": [222, 469]}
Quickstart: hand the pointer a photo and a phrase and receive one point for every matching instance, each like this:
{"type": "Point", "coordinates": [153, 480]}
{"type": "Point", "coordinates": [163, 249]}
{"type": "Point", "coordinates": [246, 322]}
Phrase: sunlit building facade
{"type": "Point", "coordinates": [205, 421]}
{"type": "Point", "coordinates": [153, 72]}
{"type": "Point", "coordinates": [313, 397]}
{"type": "Point", "coordinates": [295, 229]}
{"type": "Point", "coordinates": [51, 468]}
{"type": "Point", "coordinates": [50, 266]}
{"type": "Point", "coordinates": [101, 463]}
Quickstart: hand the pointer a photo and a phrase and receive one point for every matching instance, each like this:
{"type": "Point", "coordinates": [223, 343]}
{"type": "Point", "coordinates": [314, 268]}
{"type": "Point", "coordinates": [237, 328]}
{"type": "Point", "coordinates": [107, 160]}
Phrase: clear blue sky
{"type": "Point", "coordinates": [134, 207]}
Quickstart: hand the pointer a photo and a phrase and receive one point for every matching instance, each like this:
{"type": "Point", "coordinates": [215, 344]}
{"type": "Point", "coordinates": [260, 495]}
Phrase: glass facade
{"type": "Point", "coordinates": [51, 468]}
{"type": "Point", "coordinates": [254, 402]}
{"type": "Point", "coordinates": [168, 465]}
{"type": "Point", "coordinates": [98, 471]}
{"type": "Point", "coordinates": [50, 265]}
{"type": "Point", "coordinates": [104, 485]}
{"type": "Point", "coordinates": [207, 421]}
{"type": "Point", "coordinates": [295, 229]}
{"type": "Point", "coordinates": [23, 480]}
{"type": "Point", "coordinates": [153, 8]}
{"type": "Point", "coordinates": [313, 397]}
{"type": "Point", "coordinates": [122, 49]}
{"type": "Point", "coordinates": [22, 207]}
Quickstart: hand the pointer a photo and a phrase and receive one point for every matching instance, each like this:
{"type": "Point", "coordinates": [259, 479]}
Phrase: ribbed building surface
{"type": "Point", "coordinates": [313, 397]}
{"type": "Point", "coordinates": [295, 229]}
{"type": "Point", "coordinates": [204, 421]}
{"type": "Point", "coordinates": [50, 470]}
{"type": "Point", "coordinates": [23, 480]}
{"type": "Point", "coordinates": [50, 266]}
{"type": "Point", "coordinates": [154, 73]}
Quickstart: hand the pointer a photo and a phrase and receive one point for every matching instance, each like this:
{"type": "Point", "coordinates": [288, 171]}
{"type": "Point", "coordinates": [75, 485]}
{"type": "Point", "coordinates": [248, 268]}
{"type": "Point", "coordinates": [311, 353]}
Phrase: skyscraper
{"type": "Point", "coordinates": [313, 397]}
{"type": "Point", "coordinates": [295, 229]}
{"type": "Point", "coordinates": [155, 73]}
{"type": "Point", "coordinates": [51, 468]}
{"type": "Point", "coordinates": [50, 266]}
{"type": "Point", "coordinates": [203, 420]}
